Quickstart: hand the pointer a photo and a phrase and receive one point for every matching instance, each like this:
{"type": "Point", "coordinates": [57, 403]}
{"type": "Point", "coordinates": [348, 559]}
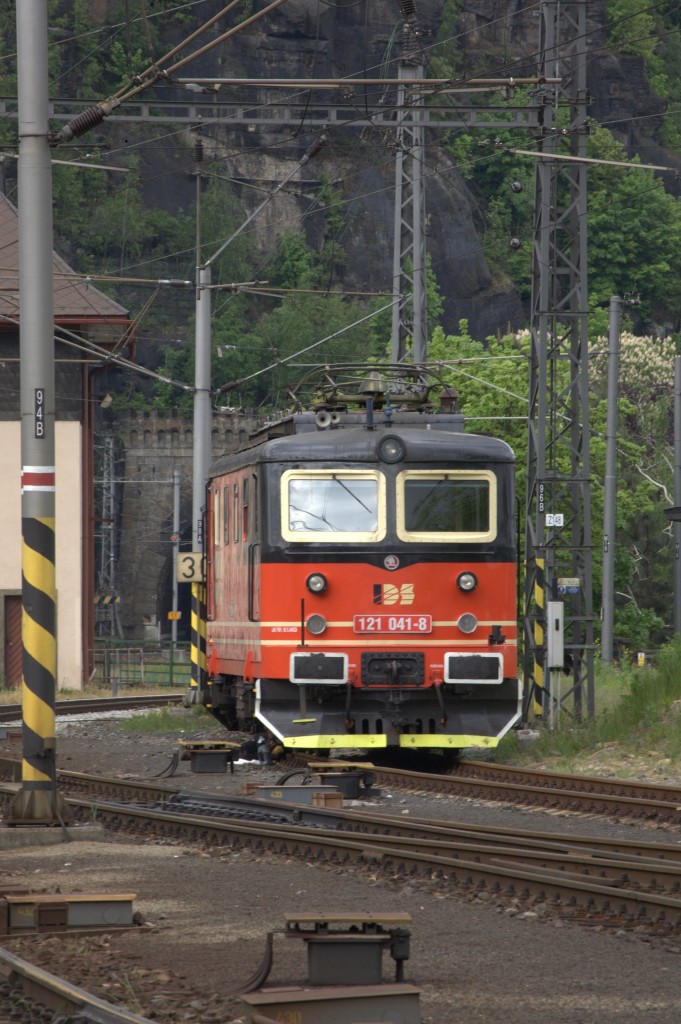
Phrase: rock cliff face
{"type": "Point", "coordinates": [362, 38]}
{"type": "Point", "coordinates": [306, 39]}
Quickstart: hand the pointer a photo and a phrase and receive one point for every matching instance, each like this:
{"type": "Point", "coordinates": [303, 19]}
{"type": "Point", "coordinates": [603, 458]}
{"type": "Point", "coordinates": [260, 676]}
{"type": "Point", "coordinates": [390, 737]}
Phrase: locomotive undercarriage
{"type": "Point", "coordinates": [232, 701]}
{"type": "Point", "coordinates": [320, 717]}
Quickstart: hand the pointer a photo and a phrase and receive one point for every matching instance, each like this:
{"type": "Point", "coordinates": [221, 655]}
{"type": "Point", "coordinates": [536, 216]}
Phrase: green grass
{"type": "Point", "coordinates": [638, 711]}
{"type": "Point", "coordinates": [188, 721]}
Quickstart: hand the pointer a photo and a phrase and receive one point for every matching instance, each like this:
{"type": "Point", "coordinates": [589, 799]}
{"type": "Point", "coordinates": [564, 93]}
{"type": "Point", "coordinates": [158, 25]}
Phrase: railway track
{"type": "Point", "coordinates": [29, 994]}
{"type": "Point", "coordinates": [630, 788]}
{"type": "Point", "coordinates": [617, 798]}
{"type": "Point", "coordinates": [611, 883]}
{"type": "Point", "coordinates": [580, 883]}
{"type": "Point", "coordinates": [97, 705]}
{"type": "Point", "coordinates": [479, 780]}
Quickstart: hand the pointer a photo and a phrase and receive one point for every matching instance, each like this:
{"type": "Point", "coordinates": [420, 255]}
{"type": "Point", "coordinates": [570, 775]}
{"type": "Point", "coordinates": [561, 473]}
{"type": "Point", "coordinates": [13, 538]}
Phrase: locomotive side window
{"type": "Point", "coordinates": [225, 513]}
{"type": "Point", "coordinates": [244, 508]}
{"type": "Point", "coordinates": [254, 508]}
{"type": "Point", "coordinates": [235, 510]}
{"type": "Point", "coordinates": [217, 525]}
{"type": "Point", "coordinates": [455, 505]}
{"type": "Point", "coordinates": [345, 505]}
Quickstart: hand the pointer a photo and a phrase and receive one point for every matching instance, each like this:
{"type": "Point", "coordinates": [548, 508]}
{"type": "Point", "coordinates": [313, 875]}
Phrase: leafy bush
{"type": "Point", "coordinates": [635, 708]}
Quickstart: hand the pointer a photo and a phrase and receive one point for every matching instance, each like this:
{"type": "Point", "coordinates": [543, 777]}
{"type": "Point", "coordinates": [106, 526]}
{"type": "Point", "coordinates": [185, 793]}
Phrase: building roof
{"type": "Point", "coordinates": [75, 300]}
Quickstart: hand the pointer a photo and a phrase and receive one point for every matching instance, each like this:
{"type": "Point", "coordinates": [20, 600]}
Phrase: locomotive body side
{"type": "Point", "coordinates": [373, 602]}
{"type": "Point", "coordinates": [233, 592]}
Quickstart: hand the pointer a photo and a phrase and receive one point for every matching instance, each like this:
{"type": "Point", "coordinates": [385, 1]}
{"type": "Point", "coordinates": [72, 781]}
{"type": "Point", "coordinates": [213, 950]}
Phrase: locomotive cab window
{"type": "Point", "coordinates": [217, 525]}
{"type": "Point", "coordinates": [225, 513]}
{"type": "Point", "coordinates": [346, 505]}
{"type": "Point", "coordinates": [236, 518]}
{"type": "Point", "coordinates": [454, 505]}
{"type": "Point", "coordinates": [244, 508]}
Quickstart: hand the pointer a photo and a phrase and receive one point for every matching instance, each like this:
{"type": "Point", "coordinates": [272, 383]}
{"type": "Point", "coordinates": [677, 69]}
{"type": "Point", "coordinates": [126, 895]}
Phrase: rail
{"type": "Point", "coordinates": [97, 705]}
{"type": "Point", "coordinates": [32, 992]}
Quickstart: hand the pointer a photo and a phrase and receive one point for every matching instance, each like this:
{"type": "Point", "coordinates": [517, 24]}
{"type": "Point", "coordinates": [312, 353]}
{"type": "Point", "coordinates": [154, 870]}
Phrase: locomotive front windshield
{"type": "Point", "coordinates": [446, 505]}
{"type": "Point", "coordinates": [437, 505]}
{"type": "Point", "coordinates": [350, 504]}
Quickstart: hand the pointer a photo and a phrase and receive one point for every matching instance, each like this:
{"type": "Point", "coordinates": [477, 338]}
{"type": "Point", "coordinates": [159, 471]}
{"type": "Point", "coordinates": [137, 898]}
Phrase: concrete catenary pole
{"type": "Point", "coordinates": [176, 551]}
{"type": "Point", "coordinates": [37, 802]}
{"type": "Point", "coordinates": [202, 399]}
{"type": "Point", "coordinates": [200, 465]}
{"type": "Point", "coordinates": [610, 482]}
{"type": "Point", "coordinates": [677, 493]}
{"type": "Point", "coordinates": [201, 445]}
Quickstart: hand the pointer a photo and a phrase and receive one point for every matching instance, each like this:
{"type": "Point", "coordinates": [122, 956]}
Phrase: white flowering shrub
{"type": "Point", "coordinates": [646, 363]}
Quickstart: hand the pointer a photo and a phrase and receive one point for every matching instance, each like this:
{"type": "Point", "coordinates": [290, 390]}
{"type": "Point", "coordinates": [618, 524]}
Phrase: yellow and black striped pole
{"type": "Point", "coordinates": [37, 802]}
{"type": "Point", "coordinates": [540, 606]}
{"type": "Point", "coordinates": [198, 643]}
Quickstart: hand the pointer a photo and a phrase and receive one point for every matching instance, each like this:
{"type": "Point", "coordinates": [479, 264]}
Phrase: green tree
{"type": "Point", "coordinates": [258, 332]}
{"type": "Point", "coordinates": [644, 556]}
{"type": "Point", "coordinates": [634, 233]}
{"type": "Point", "coordinates": [492, 381]}
{"type": "Point", "coordinates": [631, 29]}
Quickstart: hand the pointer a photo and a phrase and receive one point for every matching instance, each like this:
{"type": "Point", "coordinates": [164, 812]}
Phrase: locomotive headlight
{"type": "Point", "coordinates": [316, 624]}
{"type": "Point", "coordinates": [391, 449]}
{"type": "Point", "coordinates": [467, 623]}
{"type": "Point", "coordinates": [466, 581]}
{"type": "Point", "coordinates": [316, 583]}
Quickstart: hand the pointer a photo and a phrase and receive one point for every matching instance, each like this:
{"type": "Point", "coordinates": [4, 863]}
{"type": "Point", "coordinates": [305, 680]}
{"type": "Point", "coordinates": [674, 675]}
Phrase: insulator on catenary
{"type": "Point", "coordinates": [83, 123]}
{"type": "Point", "coordinates": [314, 149]}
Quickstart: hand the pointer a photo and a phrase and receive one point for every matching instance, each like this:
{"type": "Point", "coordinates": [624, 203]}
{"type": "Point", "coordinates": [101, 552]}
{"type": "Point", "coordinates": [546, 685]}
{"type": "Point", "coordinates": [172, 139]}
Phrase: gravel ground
{"type": "Point", "coordinates": [475, 959]}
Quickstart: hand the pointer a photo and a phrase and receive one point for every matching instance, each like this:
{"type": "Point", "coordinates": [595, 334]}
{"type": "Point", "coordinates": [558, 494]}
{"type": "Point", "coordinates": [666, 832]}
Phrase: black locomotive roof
{"type": "Point", "coordinates": [359, 445]}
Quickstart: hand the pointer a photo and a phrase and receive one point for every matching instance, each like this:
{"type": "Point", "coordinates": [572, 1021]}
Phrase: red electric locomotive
{"type": "Point", "coordinates": [361, 583]}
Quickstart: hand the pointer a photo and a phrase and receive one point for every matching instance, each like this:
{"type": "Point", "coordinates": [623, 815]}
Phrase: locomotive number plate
{"type": "Point", "coordinates": [393, 623]}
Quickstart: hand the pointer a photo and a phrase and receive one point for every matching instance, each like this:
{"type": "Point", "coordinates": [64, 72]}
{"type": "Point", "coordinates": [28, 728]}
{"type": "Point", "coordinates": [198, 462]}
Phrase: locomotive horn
{"type": "Point", "coordinates": [323, 419]}
{"type": "Point", "coordinates": [335, 418]}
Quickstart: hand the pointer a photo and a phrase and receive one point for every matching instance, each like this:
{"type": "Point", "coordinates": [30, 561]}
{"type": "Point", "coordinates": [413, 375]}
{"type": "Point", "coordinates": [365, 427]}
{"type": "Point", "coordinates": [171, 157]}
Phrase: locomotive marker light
{"type": "Point", "coordinates": [467, 581]}
{"type": "Point", "coordinates": [317, 583]}
{"type": "Point", "coordinates": [316, 624]}
{"type": "Point", "coordinates": [467, 623]}
{"type": "Point", "coordinates": [391, 449]}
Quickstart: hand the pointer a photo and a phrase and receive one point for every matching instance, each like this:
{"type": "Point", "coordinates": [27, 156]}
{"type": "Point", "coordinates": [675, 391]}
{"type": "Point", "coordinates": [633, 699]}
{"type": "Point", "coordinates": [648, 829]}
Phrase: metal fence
{"type": "Point", "coordinates": [117, 665]}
